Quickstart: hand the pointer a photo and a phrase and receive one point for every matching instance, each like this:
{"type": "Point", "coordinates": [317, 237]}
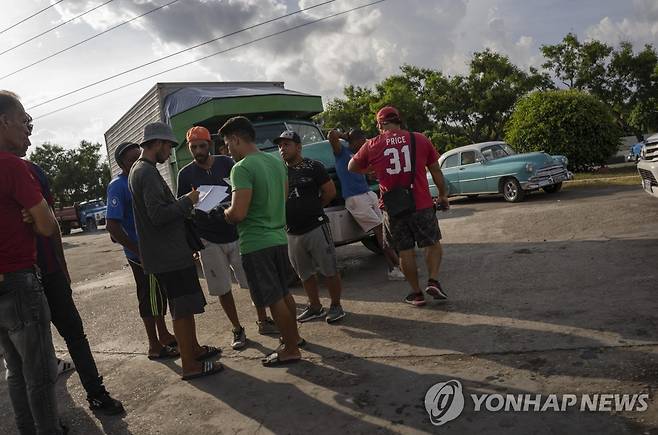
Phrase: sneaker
{"type": "Point", "coordinates": [64, 366]}
{"type": "Point", "coordinates": [267, 327]}
{"type": "Point", "coordinates": [309, 314]}
{"type": "Point", "coordinates": [434, 289]}
{"type": "Point", "coordinates": [416, 299]}
{"type": "Point", "coordinates": [396, 275]}
{"type": "Point", "coordinates": [104, 403]}
{"type": "Point", "coordinates": [239, 339]}
{"type": "Point", "coordinates": [335, 313]}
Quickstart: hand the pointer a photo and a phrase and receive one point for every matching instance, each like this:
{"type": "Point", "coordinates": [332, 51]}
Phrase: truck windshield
{"type": "Point", "coordinates": [265, 134]}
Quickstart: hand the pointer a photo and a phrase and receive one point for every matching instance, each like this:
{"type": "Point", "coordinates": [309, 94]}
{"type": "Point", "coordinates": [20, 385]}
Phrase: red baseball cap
{"type": "Point", "coordinates": [388, 114]}
{"type": "Point", "coordinates": [198, 133]}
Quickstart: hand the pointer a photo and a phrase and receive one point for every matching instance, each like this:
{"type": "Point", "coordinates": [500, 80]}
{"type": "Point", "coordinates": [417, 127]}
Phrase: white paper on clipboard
{"type": "Point", "coordinates": [210, 197]}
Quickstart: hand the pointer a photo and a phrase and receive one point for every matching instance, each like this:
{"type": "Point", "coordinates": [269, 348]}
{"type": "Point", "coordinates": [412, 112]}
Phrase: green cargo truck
{"type": "Point", "coordinates": [269, 105]}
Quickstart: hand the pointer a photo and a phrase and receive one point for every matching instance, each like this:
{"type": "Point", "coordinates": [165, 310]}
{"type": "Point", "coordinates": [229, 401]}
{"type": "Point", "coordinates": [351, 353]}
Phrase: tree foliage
{"type": "Point", "coordinates": [75, 175]}
{"type": "Point", "coordinates": [627, 82]}
{"type": "Point", "coordinates": [476, 106]}
{"type": "Point", "coordinates": [453, 111]}
{"type": "Point", "coordinates": [566, 122]}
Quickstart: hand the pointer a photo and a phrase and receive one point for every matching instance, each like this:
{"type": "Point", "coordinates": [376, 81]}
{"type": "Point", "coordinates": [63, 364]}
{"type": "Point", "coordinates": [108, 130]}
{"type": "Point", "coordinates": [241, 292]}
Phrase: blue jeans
{"type": "Point", "coordinates": [28, 352]}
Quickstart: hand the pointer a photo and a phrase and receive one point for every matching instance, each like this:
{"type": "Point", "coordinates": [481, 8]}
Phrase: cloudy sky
{"type": "Point", "coordinates": [360, 48]}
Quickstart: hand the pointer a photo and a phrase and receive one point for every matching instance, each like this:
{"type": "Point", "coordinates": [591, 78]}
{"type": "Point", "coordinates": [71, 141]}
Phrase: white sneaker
{"type": "Point", "coordinates": [396, 275]}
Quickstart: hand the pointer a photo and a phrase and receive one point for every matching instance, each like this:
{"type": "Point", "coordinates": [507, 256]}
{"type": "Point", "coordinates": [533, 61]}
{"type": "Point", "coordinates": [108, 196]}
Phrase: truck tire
{"type": "Point", "coordinates": [370, 242]}
{"type": "Point", "coordinates": [66, 228]}
{"type": "Point", "coordinates": [91, 225]}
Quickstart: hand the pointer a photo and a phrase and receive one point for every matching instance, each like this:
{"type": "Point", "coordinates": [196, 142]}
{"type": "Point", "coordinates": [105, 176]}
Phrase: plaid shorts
{"type": "Point", "coordinates": [404, 232]}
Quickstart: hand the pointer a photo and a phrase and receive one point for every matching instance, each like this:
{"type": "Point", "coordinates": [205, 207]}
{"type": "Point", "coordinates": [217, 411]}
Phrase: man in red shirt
{"type": "Point", "coordinates": [24, 315]}
{"type": "Point", "coordinates": [390, 156]}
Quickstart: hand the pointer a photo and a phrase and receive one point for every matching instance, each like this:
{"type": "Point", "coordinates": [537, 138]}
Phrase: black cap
{"type": "Point", "coordinates": [288, 134]}
{"type": "Point", "coordinates": [125, 146]}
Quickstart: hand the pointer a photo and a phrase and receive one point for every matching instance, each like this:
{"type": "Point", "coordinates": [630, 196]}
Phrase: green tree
{"type": "Point", "coordinates": [75, 175]}
{"type": "Point", "coordinates": [578, 65]}
{"type": "Point", "coordinates": [632, 91]}
{"type": "Point", "coordinates": [349, 112]}
{"type": "Point", "coordinates": [624, 80]}
{"type": "Point", "coordinates": [566, 122]}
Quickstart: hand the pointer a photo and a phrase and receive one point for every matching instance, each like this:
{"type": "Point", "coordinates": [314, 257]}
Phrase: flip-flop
{"type": "Point", "coordinates": [272, 360]}
{"type": "Point", "coordinates": [207, 368]}
{"type": "Point", "coordinates": [165, 353]}
{"type": "Point", "coordinates": [210, 351]}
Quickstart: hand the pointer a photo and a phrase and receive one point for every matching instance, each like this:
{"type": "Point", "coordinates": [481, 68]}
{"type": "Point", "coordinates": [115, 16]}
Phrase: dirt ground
{"type": "Point", "coordinates": [553, 295]}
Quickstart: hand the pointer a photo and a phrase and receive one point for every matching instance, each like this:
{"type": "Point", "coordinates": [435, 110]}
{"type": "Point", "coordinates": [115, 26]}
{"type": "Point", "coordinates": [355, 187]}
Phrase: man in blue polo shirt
{"type": "Point", "coordinates": [360, 201]}
{"type": "Point", "coordinates": [121, 226]}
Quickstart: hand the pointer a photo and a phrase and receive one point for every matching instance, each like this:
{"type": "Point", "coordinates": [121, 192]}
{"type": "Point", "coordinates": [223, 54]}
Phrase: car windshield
{"type": "Point", "coordinates": [493, 152]}
{"type": "Point", "coordinates": [265, 134]}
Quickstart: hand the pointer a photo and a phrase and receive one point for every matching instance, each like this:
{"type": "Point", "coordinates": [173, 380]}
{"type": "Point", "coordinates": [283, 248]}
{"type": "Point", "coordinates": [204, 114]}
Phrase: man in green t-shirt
{"type": "Point", "coordinates": [258, 208]}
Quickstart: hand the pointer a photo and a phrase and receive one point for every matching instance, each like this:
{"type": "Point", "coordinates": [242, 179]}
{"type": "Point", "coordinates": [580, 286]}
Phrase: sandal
{"type": "Point", "coordinates": [210, 351]}
{"type": "Point", "coordinates": [300, 343]}
{"type": "Point", "coordinates": [272, 360]}
{"type": "Point", "coordinates": [207, 368]}
{"type": "Point", "coordinates": [172, 344]}
{"type": "Point", "coordinates": [166, 352]}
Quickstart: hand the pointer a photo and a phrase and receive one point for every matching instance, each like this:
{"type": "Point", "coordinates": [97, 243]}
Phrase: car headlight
{"type": "Point", "coordinates": [643, 153]}
{"type": "Point", "coordinates": [530, 167]}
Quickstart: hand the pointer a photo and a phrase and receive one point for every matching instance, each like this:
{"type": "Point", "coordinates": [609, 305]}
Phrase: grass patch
{"type": "Point", "coordinates": [612, 180]}
{"type": "Point", "coordinates": [621, 171]}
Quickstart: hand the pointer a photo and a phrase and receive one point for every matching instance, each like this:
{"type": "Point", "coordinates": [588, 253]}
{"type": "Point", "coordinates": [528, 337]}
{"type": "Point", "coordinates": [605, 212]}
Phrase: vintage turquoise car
{"type": "Point", "coordinates": [494, 167]}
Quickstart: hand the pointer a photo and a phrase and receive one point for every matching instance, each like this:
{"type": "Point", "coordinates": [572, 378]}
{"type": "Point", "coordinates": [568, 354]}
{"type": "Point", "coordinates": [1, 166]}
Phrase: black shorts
{"type": "Point", "coordinates": [152, 300]}
{"type": "Point", "coordinates": [267, 274]}
{"type": "Point", "coordinates": [403, 233]}
{"type": "Point", "coordinates": [183, 292]}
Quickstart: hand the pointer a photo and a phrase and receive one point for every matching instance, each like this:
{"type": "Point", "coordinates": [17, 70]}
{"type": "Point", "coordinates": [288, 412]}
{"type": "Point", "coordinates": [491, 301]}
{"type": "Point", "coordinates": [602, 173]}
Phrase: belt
{"type": "Point", "coordinates": [33, 269]}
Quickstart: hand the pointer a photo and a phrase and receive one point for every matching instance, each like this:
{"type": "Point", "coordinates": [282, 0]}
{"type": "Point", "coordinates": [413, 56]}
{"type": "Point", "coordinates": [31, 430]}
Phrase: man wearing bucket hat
{"type": "Point", "coordinates": [164, 249]}
{"type": "Point", "coordinates": [401, 159]}
{"type": "Point", "coordinates": [221, 256]}
{"type": "Point", "coordinates": [121, 226]}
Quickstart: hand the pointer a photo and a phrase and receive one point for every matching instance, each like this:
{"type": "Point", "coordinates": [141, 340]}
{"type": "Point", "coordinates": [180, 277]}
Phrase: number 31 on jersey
{"type": "Point", "coordinates": [395, 166]}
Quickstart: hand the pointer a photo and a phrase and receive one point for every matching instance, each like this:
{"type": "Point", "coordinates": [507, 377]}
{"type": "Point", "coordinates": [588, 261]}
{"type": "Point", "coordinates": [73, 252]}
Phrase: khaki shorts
{"type": "Point", "coordinates": [365, 210]}
{"type": "Point", "coordinates": [312, 252]}
{"type": "Point", "coordinates": [218, 261]}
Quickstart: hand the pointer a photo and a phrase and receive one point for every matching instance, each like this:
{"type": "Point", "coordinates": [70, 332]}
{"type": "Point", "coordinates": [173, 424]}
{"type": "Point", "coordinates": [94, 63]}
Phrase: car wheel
{"type": "Point", "coordinates": [66, 228]}
{"type": "Point", "coordinates": [511, 189]}
{"type": "Point", "coordinates": [91, 225]}
{"type": "Point", "coordinates": [553, 188]}
{"type": "Point", "coordinates": [370, 242]}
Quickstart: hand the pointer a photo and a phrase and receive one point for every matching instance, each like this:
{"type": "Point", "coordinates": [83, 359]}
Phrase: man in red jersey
{"type": "Point", "coordinates": [390, 156]}
{"type": "Point", "coordinates": [24, 315]}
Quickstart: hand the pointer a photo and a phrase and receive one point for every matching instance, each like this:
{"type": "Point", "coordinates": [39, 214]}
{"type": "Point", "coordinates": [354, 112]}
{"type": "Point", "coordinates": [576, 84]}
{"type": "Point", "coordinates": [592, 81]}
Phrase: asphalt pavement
{"type": "Point", "coordinates": [555, 295]}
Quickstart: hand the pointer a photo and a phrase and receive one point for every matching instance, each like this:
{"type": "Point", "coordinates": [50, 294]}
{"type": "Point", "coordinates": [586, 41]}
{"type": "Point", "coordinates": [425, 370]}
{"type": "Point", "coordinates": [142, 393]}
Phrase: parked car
{"type": "Point", "coordinates": [494, 167]}
{"type": "Point", "coordinates": [648, 165]}
{"type": "Point", "coordinates": [634, 152]}
{"type": "Point", "coordinates": [88, 215]}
